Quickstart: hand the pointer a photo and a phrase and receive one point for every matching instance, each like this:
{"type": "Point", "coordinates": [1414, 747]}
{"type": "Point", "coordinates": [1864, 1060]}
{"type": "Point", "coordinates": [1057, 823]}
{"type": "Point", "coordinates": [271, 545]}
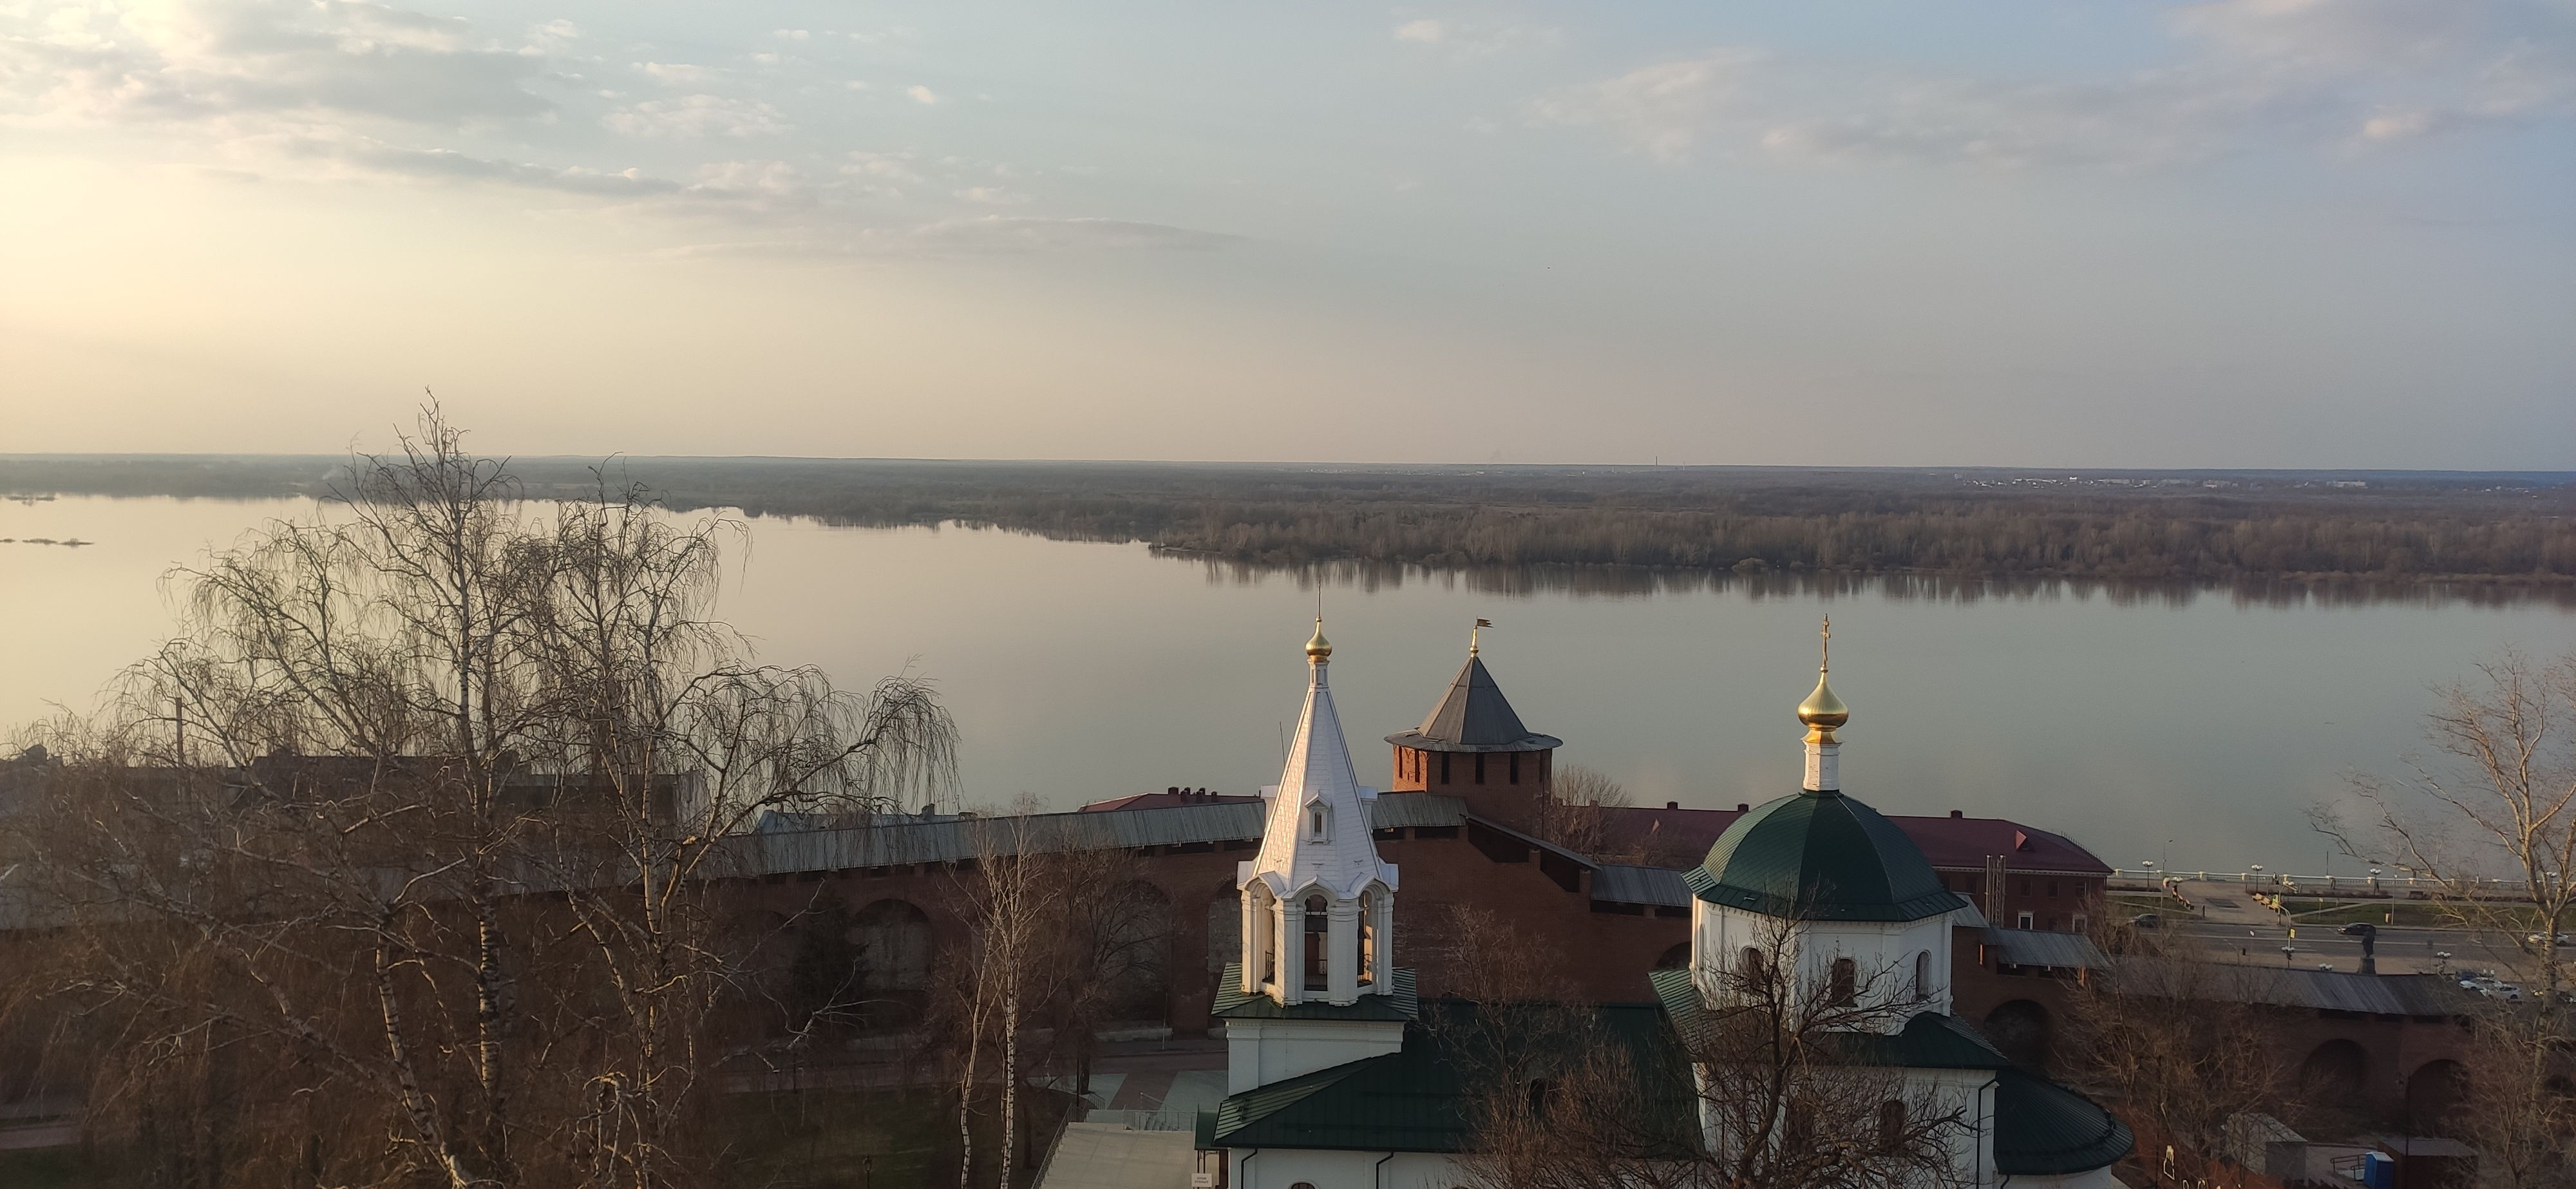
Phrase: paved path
{"type": "Point", "coordinates": [1108, 1156]}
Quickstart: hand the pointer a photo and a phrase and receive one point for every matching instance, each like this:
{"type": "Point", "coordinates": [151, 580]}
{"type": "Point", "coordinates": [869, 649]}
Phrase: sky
{"type": "Point", "coordinates": [2257, 233]}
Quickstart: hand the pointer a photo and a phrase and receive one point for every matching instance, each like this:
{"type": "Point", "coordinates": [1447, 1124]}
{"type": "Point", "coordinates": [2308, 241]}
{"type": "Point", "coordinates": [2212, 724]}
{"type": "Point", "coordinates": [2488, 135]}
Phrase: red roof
{"type": "Point", "coordinates": [1676, 836]}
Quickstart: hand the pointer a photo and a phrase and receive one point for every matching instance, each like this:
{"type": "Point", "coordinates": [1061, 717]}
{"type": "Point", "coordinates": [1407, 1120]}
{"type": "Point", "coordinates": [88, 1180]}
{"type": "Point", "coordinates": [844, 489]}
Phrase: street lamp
{"type": "Point", "coordinates": [2287, 953]}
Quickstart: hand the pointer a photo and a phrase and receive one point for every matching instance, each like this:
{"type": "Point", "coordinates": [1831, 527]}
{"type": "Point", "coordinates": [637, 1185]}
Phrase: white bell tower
{"type": "Point", "coordinates": [1318, 903]}
{"type": "Point", "coordinates": [1318, 984]}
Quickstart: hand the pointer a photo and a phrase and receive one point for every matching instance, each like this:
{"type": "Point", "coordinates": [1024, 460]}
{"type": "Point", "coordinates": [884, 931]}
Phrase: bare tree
{"type": "Point", "coordinates": [420, 815]}
{"type": "Point", "coordinates": [2516, 1102]}
{"type": "Point", "coordinates": [1571, 815]}
{"type": "Point", "coordinates": [2178, 1040]}
{"type": "Point", "coordinates": [1771, 1082]}
{"type": "Point", "coordinates": [2499, 794]}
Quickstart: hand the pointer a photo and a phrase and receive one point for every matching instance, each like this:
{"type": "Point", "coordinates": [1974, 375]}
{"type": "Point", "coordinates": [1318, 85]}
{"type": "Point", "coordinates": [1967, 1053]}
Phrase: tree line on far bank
{"type": "Point", "coordinates": [2504, 529]}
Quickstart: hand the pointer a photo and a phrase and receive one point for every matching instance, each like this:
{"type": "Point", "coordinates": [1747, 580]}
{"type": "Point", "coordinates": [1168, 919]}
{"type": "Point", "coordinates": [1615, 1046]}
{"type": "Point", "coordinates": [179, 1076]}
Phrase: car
{"type": "Point", "coordinates": [2553, 941]}
{"type": "Point", "coordinates": [2146, 920]}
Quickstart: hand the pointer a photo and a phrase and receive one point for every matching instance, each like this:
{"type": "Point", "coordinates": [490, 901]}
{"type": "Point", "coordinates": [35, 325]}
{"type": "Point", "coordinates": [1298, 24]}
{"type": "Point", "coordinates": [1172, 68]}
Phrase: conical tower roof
{"type": "Point", "coordinates": [1474, 716]}
{"type": "Point", "coordinates": [1319, 775]}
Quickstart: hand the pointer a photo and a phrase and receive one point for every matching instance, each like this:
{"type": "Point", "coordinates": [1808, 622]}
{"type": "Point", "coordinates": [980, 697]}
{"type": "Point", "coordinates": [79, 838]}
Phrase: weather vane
{"type": "Point", "coordinates": [1481, 625]}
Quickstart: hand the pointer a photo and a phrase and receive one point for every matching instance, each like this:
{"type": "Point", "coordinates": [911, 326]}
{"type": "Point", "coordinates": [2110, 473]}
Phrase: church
{"type": "Point", "coordinates": [1335, 1077]}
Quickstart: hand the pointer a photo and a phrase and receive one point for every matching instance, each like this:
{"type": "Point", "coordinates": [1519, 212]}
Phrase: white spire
{"type": "Point", "coordinates": [1318, 905]}
{"type": "Point", "coordinates": [1319, 779]}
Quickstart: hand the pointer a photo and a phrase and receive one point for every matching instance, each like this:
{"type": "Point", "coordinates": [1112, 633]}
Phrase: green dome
{"type": "Point", "coordinates": [1821, 856]}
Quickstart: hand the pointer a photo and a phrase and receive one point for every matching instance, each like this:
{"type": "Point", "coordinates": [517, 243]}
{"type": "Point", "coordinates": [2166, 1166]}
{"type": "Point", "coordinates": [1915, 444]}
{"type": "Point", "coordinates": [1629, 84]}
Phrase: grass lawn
{"type": "Point", "coordinates": [871, 1139]}
{"type": "Point", "coordinates": [2132, 905]}
{"type": "Point", "coordinates": [48, 1168]}
{"type": "Point", "coordinates": [830, 1139]}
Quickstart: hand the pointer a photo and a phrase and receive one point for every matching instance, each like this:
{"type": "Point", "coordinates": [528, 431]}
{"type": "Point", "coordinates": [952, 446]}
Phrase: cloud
{"type": "Point", "coordinates": [449, 165]}
{"type": "Point", "coordinates": [992, 195]}
{"type": "Point", "coordinates": [2250, 73]}
{"type": "Point", "coordinates": [691, 117]}
{"type": "Point", "coordinates": [1662, 109]}
{"type": "Point", "coordinates": [921, 94]}
{"type": "Point", "coordinates": [678, 74]}
{"type": "Point", "coordinates": [991, 235]}
{"type": "Point", "coordinates": [200, 60]}
{"type": "Point", "coordinates": [1471, 37]}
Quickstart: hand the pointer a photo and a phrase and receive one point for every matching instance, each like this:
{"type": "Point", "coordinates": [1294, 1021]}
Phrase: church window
{"type": "Point", "coordinates": [1318, 819]}
{"type": "Point", "coordinates": [1922, 975]}
{"type": "Point", "coordinates": [1480, 767]}
{"type": "Point", "coordinates": [1891, 1126]}
{"type": "Point", "coordinates": [1316, 925]}
{"type": "Point", "coordinates": [1755, 972]}
{"type": "Point", "coordinates": [1845, 986]}
{"type": "Point", "coordinates": [1368, 937]}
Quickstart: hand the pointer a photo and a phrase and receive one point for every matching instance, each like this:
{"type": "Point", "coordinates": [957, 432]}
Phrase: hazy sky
{"type": "Point", "coordinates": [2253, 232]}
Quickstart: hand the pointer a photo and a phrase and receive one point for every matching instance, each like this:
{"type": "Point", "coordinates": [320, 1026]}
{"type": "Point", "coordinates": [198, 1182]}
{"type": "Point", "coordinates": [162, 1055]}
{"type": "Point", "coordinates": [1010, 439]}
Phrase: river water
{"type": "Point", "coordinates": [2194, 728]}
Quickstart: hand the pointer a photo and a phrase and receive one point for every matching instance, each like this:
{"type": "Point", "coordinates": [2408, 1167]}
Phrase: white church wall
{"type": "Point", "coordinates": [2099, 1178]}
{"type": "Point", "coordinates": [1259, 1052]}
{"type": "Point", "coordinates": [1284, 1168]}
{"type": "Point", "coordinates": [1885, 950]}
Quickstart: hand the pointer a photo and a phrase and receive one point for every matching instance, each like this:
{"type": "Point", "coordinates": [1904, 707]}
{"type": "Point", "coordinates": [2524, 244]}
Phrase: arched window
{"type": "Point", "coordinates": [1891, 1125]}
{"type": "Point", "coordinates": [1316, 926]}
{"type": "Point", "coordinates": [1846, 982]}
{"type": "Point", "coordinates": [1368, 937]}
{"type": "Point", "coordinates": [1754, 970]}
{"type": "Point", "coordinates": [1922, 975]}
{"type": "Point", "coordinates": [1319, 821]}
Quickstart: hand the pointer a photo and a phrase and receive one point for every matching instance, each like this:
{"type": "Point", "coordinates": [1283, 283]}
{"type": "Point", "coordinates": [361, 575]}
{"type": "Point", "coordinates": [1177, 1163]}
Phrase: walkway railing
{"type": "Point", "coordinates": [2375, 882]}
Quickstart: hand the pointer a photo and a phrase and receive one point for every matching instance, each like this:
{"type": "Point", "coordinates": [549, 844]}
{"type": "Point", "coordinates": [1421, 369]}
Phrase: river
{"type": "Point", "coordinates": [2193, 728]}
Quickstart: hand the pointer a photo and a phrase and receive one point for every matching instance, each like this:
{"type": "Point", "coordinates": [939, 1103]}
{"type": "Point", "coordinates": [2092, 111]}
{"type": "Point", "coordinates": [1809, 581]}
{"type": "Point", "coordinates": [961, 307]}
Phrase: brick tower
{"type": "Point", "coordinates": [1473, 746]}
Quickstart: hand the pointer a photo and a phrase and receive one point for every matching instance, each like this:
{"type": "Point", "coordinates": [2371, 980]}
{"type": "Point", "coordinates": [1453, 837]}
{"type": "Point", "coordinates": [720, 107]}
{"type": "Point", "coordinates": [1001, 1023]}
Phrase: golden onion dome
{"type": "Point", "coordinates": [1319, 648]}
{"type": "Point", "coordinates": [1822, 711]}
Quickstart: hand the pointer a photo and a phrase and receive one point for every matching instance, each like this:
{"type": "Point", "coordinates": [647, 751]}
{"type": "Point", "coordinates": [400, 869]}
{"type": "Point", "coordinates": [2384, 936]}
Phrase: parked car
{"type": "Point", "coordinates": [2553, 942]}
{"type": "Point", "coordinates": [2146, 920]}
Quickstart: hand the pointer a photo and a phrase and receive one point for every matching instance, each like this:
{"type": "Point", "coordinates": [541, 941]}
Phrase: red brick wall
{"type": "Point", "coordinates": [1507, 794]}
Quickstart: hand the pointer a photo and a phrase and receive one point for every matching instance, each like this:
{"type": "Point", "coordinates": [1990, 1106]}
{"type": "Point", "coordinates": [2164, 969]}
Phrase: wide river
{"type": "Point", "coordinates": [2192, 728]}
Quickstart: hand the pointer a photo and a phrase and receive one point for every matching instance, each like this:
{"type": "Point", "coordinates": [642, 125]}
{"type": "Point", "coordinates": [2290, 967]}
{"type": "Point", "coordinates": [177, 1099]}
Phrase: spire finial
{"type": "Point", "coordinates": [1319, 649]}
{"type": "Point", "coordinates": [1822, 711]}
{"type": "Point", "coordinates": [1481, 625]}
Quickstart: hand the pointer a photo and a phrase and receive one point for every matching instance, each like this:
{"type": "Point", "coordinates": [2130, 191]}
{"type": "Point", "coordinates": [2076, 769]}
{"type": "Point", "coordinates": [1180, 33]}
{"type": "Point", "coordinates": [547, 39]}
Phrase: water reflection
{"type": "Point", "coordinates": [1637, 582]}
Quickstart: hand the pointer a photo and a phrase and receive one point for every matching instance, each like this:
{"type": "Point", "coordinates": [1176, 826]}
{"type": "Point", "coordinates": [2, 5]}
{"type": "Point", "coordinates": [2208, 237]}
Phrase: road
{"type": "Point", "coordinates": [2234, 926]}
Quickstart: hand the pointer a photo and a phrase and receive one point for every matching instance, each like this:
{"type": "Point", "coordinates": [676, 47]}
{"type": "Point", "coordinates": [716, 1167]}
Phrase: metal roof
{"type": "Point", "coordinates": [1402, 1003]}
{"type": "Point", "coordinates": [1620, 883]}
{"type": "Point", "coordinates": [1823, 856]}
{"type": "Point", "coordinates": [2322, 990]}
{"type": "Point", "coordinates": [1474, 716]}
{"type": "Point", "coordinates": [2045, 1129]}
{"type": "Point", "coordinates": [2034, 947]}
{"type": "Point", "coordinates": [898, 841]}
{"type": "Point", "coordinates": [1420, 1098]}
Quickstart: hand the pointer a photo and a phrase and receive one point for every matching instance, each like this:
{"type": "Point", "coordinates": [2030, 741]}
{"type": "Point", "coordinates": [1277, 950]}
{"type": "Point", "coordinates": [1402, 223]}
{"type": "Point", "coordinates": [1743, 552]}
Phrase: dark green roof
{"type": "Point", "coordinates": [1231, 1003]}
{"type": "Point", "coordinates": [1418, 1099]}
{"type": "Point", "coordinates": [2045, 1129]}
{"type": "Point", "coordinates": [1820, 856]}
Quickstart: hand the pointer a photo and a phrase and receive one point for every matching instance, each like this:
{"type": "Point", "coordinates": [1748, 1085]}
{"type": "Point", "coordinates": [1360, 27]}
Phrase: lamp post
{"type": "Point", "coordinates": [2288, 952]}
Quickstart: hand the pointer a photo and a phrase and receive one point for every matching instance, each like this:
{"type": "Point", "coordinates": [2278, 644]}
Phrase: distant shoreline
{"type": "Point", "coordinates": [2192, 527]}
